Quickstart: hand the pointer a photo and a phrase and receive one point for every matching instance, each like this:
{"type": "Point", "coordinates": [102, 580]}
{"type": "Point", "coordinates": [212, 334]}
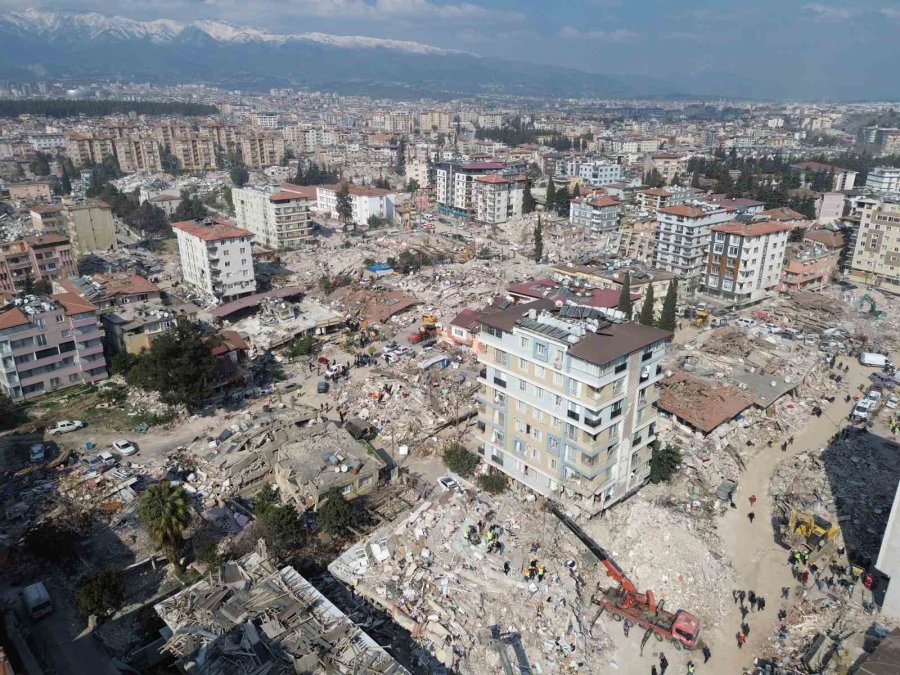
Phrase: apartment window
{"type": "Point", "coordinates": [521, 406]}
{"type": "Point", "coordinates": [523, 342]}
{"type": "Point", "coordinates": [74, 377]}
{"type": "Point", "coordinates": [539, 372]}
{"type": "Point", "coordinates": [227, 264]}
{"type": "Point", "coordinates": [614, 430]}
{"type": "Point", "coordinates": [523, 385]}
{"type": "Point", "coordinates": [523, 364]}
{"type": "Point", "coordinates": [54, 381]}
{"type": "Point", "coordinates": [40, 340]}
{"type": "Point", "coordinates": [621, 367]}
{"type": "Point", "coordinates": [60, 318]}
{"type": "Point", "coordinates": [540, 349]}
{"type": "Point", "coordinates": [553, 463]}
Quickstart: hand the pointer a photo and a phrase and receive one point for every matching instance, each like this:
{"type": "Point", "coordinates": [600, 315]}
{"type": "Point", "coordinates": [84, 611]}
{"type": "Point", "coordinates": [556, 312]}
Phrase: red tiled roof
{"type": "Point", "coordinates": [285, 196]}
{"type": "Point", "coordinates": [11, 318]}
{"type": "Point", "coordinates": [600, 202]}
{"type": "Point", "coordinates": [74, 304]}
{"type": "Point", "coordinates": [493, 178]}
{"type": "Point", "coordinates": [687, 211]}
{"type": "Point", "coordinates": [751, 229]}
{"type": "Point", "coordinates": [308, 191]}
{"type": "Point", "coordinates": [704, 405]}
{"type": "Point", "coordinates": [827, 237]}
{"type": "Point", "coordinates": [219, 229]}
{"type": "Point", "coordinates": [468, 318]}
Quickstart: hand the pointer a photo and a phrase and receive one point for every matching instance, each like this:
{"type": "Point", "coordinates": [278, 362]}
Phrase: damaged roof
{"type": "Point", "coordinates": [701, 403]}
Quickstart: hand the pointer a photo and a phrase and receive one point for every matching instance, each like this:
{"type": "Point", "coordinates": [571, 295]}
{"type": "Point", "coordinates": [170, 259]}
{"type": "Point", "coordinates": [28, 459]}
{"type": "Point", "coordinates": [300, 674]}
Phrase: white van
{"type": "Point", "coordinates": [861, 411]}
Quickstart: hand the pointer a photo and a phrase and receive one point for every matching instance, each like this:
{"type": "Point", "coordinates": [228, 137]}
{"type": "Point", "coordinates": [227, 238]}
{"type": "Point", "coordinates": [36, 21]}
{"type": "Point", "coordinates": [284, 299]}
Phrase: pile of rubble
{"type": "Point", "coordinates": [432, 572]}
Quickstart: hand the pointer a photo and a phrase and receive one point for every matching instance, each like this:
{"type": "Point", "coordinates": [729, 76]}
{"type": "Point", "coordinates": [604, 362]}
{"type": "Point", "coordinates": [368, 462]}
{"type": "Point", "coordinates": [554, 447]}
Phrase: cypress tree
{"type": "Point", "coordinates": [667, 316]}
{"type": "Point", "coordinates": [625, 297]}
{"type": "Point", "coordinates": [551, 195]}
{"type": "Point", "coordinates": [646, 316]}
{"type": "Point", "coordinates": [528, 203]}
{"type": "Point", "coordinates": [538, 241]}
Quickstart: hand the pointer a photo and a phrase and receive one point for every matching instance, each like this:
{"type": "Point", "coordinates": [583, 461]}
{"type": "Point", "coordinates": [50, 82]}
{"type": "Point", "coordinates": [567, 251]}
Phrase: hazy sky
{"type": "Point", "coordinates": [782, 48]}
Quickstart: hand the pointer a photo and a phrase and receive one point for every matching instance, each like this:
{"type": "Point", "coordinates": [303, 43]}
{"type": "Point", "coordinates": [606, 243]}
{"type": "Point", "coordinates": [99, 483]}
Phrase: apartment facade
{"type": "Point", "coordinates": [597, 172]}
{"type": "Point", "coordinates": [216, 258]}
{"type": "Point", "coordinates": [455, 185]}
{"type": "Point", "coordinates": [366, 202]}
{"type": "Point", "coordinates": [193, 151]}
{"type": "Point", "coordinates": [87, 149]}
{"type": "Point", "coordinates": [808, 267]}
{"type": "Point", "coordinates": [498, 198]}
{"type": "Point", "coordinates": [48, 257]}
{"type": "Point", "coordinates": [745, 260]}
{"type": "Point", "coordinates": [435, 121]}
{"type": "Point", "coordinates": [884, 179]}
{"type": "Point", "coordinates": [138, 154]}
{"type": "Point", "coordinates": [278, 221]}
{"type": "Point", "coordinates": [595, 215]}
{"type": "Point", "coordinates": [49, 343]}
{"type": "Point", "coordinates": [90, 226]}
{"type": "Point", "coordinates": [262, 148]}
{"type": "Point", "coordinates": [682, 238]}
{"type": "Point", "coordinates": [876, 254]}
{"type": "Point", "coordinates": [567, 400]}
{"type": "Point", "coordinates": [668, 164]}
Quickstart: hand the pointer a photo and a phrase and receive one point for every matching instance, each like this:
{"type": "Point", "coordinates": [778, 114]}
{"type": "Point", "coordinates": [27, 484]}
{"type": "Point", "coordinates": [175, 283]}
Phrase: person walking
{"type": "Point", "coordinates": [751, 598]}
{"type": "Point", "coordinates": [663, 663]}
{"type": "Point", "coordinates": [741, 639]}
{"type": "Point", "coordinates": [785, 592]}
{"type": "Point", "coordinates": [752, 500]}
{"type": "Point", "coordinates": [742, 595]}
{"type": "Point", "coordinates": [653, 670]}
{"type": "Point", "coordinates": [626, 627]}
{"type": "Point", "coordinates": [690, 668]}
{"type": "Point", "coordinates": [751, 516]}
{"type": "Point", "coordinates": [736, 595]}
{"type": "Point", "coordinates": [760, 603]}
{"type": "Point", "coordinates": [506, 568]}
{"type": "Point", "coordinates": [707, 655]}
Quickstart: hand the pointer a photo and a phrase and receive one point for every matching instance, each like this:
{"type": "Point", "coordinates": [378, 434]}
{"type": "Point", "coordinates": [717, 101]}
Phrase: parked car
{"type": "Point", "coordinates": [873, 395]}
{"type": "Point", "coordinates": [744, 321]}
{"type": "Point", "coordinates": [861, 411]}
{"type": "Point", "coordinates": [322, 387]}
{"type": "Point", "coordinates": [447, 484]}
{"type": "Point", "coordinates": [719, 322]}
{"type": "Point", "coordinates": [125, 447]}
{"type": "Point", "coordinates": [100, 462]}
{"type": "Point", "coordinates": [892, 401]}
{"type": "Point", "coordinates": [37, 453]}
{"type": "Point", "coordinates": [64, 427]}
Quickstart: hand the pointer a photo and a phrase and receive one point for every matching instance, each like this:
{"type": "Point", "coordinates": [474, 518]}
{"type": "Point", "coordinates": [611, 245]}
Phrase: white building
{"type": "Point", "coordinates": [598, 172]}
{"type": "Point", "coordinates": [455, 184]}
{"type": "Point", "coordinates": [265, 120]}
{"type": "Point", "coordinates": [884, 179]}
{"type": "Point", "coordinates": [490, 120]}
{"type": "Point", "coordinates": [366, 201]}
{"type": "Point", "coordinates": [745, 260]}
{"type": "Point", "coordinates": [830, 208]}
{"type": "Point", "coordinates": [498, 197]}
{"type": "Point", "coordinates": [435, 121]}
{"type": "Point", "coordinates": [595, 215]}
{"type": "Point", "coordinates": [216, 258]}
{"type": "Point", "coordinates": [277, 220]}
{"type": "Point", "coordinates": [48, 142]}
{"type": "Point", "coordinates": [682, 237]}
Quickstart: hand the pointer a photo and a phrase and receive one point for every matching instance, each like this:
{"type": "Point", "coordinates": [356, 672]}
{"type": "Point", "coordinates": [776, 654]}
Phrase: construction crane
{"type": "Point", "coordinates": [623, 601]}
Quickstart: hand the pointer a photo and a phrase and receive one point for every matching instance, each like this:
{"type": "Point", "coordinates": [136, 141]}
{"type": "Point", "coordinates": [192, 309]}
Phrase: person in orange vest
{"type": "Point", "coordinates": [741, 639]}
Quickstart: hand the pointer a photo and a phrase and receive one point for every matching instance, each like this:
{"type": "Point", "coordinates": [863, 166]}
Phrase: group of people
{"type": "Point", "coordinates": [756, 603]}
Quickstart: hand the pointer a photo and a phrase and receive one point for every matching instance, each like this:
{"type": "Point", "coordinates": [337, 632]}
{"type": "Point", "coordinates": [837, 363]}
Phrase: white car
{"type": "Point", "coordinates": [862, 408]}
{"type": "Point", "coordinates": [892, 401]}
{"type": "Point", "coordinates": [37, 452]}
{"type": "Point", "coordinates": [64, 427]}
{"type": "Point", "coordinates": [99, 462]}
{"type": "Point", "coordinates": [873, 395]}
{"type": "Point", "coordinates": [744, 321]}
{"type": "Point", "coordinates": [125, 447]}
{"type": "Point", "coordinates": [448, 484]}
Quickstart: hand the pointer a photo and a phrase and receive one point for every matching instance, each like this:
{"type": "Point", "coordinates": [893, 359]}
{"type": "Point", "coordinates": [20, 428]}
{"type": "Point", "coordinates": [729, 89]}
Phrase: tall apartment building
{"type": "Point", "coordinates": [262, 148]}
{"type": "Point", "coordinates": [366, 202]}
{"type": "Point", "coordinates": [265, 120]}
{"type": "Point", "coordinates": [49, 343]}
{"type": "Point", "coordinates": [455, 182]}
{"type": "Point", "coordinates": [668, 164]}
{"type": "Point", "coordinates": [194, 152]}
{"type": "Point", "coordinates": [90, 226]}
{"type": "Point", "coordinates": [278, 221]}
{"type": "Point", "coordinates": [224, 136]}
{"type": "Point", "coordinates": [876, 255]}
{"type": "Point", "coordinates": [595, 215]}
{"type": "Point", "coordinates": [400, 122]}
{"type": "Point", "coordinates": [597, 172]}
{"type": "Point", "coordinates": [48, 257]}
{"type": "Point", "coordinates": [87, 149]}
{"type": "Point", "coordinates": [745, 260]}
{"type": "Point", "coordinates": [498, 197]}
{"type": "Point", "coordinates": [567, 400]}
{"type": "Point", "coordinates": [136, 153]}
{"type": "Point", "coordinates": [490, 120]}
{"type": "Point", "coordinates": [216, 258]}
{"type": "Point", "coordinates": [682, 238]}
{"type": "Point", "coordinates": [884, 179]}
{"type": "Point", "coordinates": [441, 122]}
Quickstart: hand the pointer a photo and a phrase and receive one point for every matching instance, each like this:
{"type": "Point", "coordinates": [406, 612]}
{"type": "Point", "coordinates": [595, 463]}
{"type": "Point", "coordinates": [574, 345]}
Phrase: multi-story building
{"type": "Point", "coordinates": [490, 120]}
{"type": "Point", "coordinates": [366, 201]}
{"type": "Point", "coordinates": [435, 121]}
{"type": "Point", "coordinates": [86, 149]}
{"type": "Point", "coordinates": [224, 136]}
{"type": "Point", "coordinates": [876, 254]}
{"type": "Point", "coordinates": [844, 179]}
{"type": "Point", "coordinates": [277, 220]}
{"type": "Point", "coordinates": [669, 164]}
{"type": "Point", "coordinates": [90, 226]}
{"type": "Point", "coordinates": [682, 238]}
{"type": "Point", "coordinates": [595, 215]}
{"type": "Point", "coordinates": [598, 172]}
{"type": "Point", "coordinates": [884, 179]}
{"type": "Point", "coordinates": [216, 258]}
{"type": "Point", "coordinates": [37, 190]}
{"type": "Point", "coordinates": [49, 343]}
{"type": "Point", "coordinates": [811, 263]}
{"type": "Point", "coordinates": [48, 142]}
{"type": "Point", "coordinates": [107, 291]}
{"type": "Point", "coordinates": [47, 218]}
{"type": "Point", "coordinates": [265, 120]}
{"type": "Point", "coordinates": [567, 400]}
{"type": "Point", "coordinates": [47, 257]}
{"type": "Point", "coordinates": [137, 153]}
{"type": "Point", "coordinates": [262, 148]}
{"type": "Point", "coordinates": [193, 151]}
{"type": "Point", "coordinates": [455, 185]}
{"type": "Point", "coordinates": [132, 327]}
{"type": "Point", "coordinates": [745, 260]}
{"type": "Point", "coordinates": [498, 197]}
{"type": "Point", "coordinates": [400, 122]}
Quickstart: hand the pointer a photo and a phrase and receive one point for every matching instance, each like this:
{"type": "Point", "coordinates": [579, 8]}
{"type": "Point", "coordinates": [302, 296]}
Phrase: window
{"type": "Point", "coordinates": [539, 371]}
{"type": "Point", "coordinates": [60, 318]}
{"type": "Point", "coordinates": [521, 406]}
{"type": "Point", "coordinates": [523, 364]}
{"type": "Point", "coordinates": [40, 340]}
{"type": "Point", "coordinates": [523, 385]}
{"type": "Point", "coordinates": [523, 342]}
{"type": "Point", "coordinates": [540, 349]}
{"type": "Point", "coordinates": [621, 367]}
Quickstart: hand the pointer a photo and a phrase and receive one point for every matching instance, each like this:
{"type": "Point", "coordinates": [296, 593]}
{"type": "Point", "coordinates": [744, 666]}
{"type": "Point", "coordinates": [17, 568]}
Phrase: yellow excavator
{"type": "Point", "coordinates": [700, 316]}
{"type": "Point", "coordinates": [809, 531]}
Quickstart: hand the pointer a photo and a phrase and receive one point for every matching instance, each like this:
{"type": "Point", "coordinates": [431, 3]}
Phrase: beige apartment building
{"type": "Point", "coordinates": [876, 257]}
{"type": "Point", "coordinates": [194, 152]}
{"type": "Point", "coordinates": [262, 148]}
{"type": "Point", "coordinates": [87, 149]}
{"type": "Point", "coordinates": [47, 257]}
{"type": "Point", "coordinates": [136, 153]}
{"type": "Point", "coordinates": [90, 226]}
{"type": "Point", "coordinates": [567, 404]}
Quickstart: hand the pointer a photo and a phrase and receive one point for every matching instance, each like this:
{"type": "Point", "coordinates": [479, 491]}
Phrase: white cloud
{"type": "Point", "coordinates": [890, 12]}
{"type": "Point", "coordinates": [377, 10]}
{"type": "Point", "coordinates": [828, 13]}
{"type": "Point", "coordinates": [617, 35]}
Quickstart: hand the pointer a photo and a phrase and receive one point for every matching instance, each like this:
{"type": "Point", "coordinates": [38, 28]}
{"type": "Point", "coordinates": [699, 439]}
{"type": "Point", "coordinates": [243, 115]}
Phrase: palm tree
{"type": "Point", "coordinates": [166, 512]}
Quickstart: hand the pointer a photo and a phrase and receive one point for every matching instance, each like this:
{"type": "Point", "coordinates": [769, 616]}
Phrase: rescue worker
{"type": "Point", "coordinates": [540, 572]}
{"type": "Point", "coordinates": [690, 668]}
{"type": "Point", "coordinates": [626, 627]}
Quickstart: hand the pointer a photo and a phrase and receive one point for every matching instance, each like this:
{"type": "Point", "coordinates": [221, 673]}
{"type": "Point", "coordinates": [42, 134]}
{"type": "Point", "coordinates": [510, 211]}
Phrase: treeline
{"type": "Point", "coordinates": [515, 132]}
{"type": "Point", "coordinates": [57, 107]}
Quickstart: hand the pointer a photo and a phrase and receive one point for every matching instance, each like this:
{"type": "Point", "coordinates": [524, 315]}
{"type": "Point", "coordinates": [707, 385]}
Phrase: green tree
{"type": "Point", "coordinates": [266, 499]}
{"type": "Point", "coordinates": [459, 460]}
{"type": "Point", "coordinates": [179, 365]}
{"type": "Point", "coordinates": [654, 179]}
{"type": "Point", "coordinates": [151, 221]}
{"type": "Point", "coordinates": [122, 362]}
{"type": "Point", "coordinates": [229, 200]}
{"type": "Point", "coordinates": [100, 594]}
{"type": "Point", "coordinates": [412, 185]}
{"type": "Point", "coordinates": [285, 530]}
{"type": "Point", "coordinates": [66, 184]}
{"type": "Point", "coordinates": [374, 222]}
{"type": "Point", "coordinates": [168, 161]}
{"type": "Point", "coordinates": [40, 166]}
{"type": "Point", "coordinates": [551, 194]}
{"type": "Point", "coordinates": [676, 179]}
{"type": "Point", "coordinates": [239, 175]}
{"type": "Point", "coordinates": [400, 167]}
{"type": "Point", "coordinates": [190, 208]}
{"type": "Point", "coordinates": [667, 318]}
{"type": "Point", "coordinates": [494, 482]}
{"type": "Point", "coordinates": [11, 415]}
{"type": "Point", "coordinates": [625, 304]}
{"type": "Point", "coordinates": [646, 316]}
{"type": "Point", "coordinates": [528, 203]}
{"type": "Point", "coordinates": [334, 513]}
{"type": "Point", "coordinates": [664, 462]}
{"type": "Point", "coordinates": [382, 183]}
{"type": "Point", "coordinates": [165, 510]}
{"type": "Point", "coordinates": [695, 180]}
{"type": "Point", "coordinates": [303, 345]}
{"type": "Point", "coordinates": [344, 207]}
{"type": "Point", "coordinates": [561, 201]}
{"type": "Point", "coordinates": [538, 240]}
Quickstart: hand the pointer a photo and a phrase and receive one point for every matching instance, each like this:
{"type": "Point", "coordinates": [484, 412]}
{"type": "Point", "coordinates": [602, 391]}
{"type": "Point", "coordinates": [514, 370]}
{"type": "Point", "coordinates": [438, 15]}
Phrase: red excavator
{"type": "Point", "coordinates": [624, 601]}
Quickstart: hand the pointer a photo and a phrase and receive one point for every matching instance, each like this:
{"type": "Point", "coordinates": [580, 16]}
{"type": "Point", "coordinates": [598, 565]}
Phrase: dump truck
{"type": "Point", "coordinates": [810, 532]}
{"type": "Point", "coordinates": [623, 601]}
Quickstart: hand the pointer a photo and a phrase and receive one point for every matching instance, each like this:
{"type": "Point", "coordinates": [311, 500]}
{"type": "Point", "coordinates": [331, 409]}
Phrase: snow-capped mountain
{"type": "Point", "coordinates": [73, 26]}
{"type": "Point", "coordinates": [79, 46]}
